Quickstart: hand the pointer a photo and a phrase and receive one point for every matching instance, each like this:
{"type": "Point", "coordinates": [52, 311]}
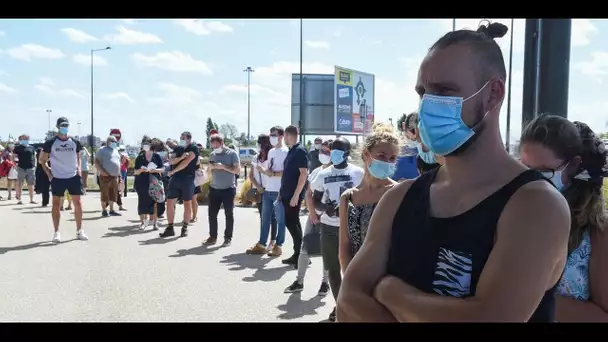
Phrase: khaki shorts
{"type": "Point", "coordinates": [108, 185]}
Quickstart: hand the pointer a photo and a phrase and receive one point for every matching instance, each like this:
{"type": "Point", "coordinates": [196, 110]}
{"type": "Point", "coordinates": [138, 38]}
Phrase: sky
{"type": "Point", "coordinates": [162, 77]}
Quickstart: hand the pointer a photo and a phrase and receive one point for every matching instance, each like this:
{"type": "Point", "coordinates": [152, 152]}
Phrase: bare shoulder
{"type": "Point", "coordinates": [537, 209]}
{"type": "Point", "coordinates": [392, 198]}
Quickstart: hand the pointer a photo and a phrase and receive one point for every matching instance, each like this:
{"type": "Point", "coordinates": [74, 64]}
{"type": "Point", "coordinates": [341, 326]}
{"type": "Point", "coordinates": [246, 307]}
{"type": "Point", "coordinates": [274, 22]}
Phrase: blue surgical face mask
{"type": "Point", "coordinates": [336, 157]}
{"type": "Point", "coordinates": [381, 170]}
{"type": "Point", "coordinates": [427, 157]}
{"type": "Point", "coordinates": [24, 142]}
{"type": "Point", "coordinates": [183, 143]}
{"type": "Point", "coordinates": [63, 130]}
{"type": "Point", "coordinates": [113, 145]}
{"type": "Point", "coordinates": [440, 124]}
{"type": "Point", "coordinates": [555, 177]}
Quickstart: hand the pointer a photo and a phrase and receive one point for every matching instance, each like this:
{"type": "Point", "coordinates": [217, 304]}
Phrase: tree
{"type": "Point", "coordinates": [209, 128]}
{"type": "Point", "coordinates": [229, 131]}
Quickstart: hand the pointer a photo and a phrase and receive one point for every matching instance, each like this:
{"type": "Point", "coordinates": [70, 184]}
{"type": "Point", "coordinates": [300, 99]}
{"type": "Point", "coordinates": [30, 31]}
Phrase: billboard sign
{"type": "Point", "coordinates": [354, 101]}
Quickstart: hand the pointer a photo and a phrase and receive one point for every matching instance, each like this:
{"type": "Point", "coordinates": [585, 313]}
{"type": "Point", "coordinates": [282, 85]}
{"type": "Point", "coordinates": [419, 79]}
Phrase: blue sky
{"type": "Point", "coordinates": [162, 77]}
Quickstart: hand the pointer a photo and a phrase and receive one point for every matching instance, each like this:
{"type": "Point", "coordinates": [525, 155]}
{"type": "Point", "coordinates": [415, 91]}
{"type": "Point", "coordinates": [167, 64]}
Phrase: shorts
{"type": "Point", "coordinates": [72, 185]}
{"type": "Point", "coordinates": [108, 186]}
{"type": "Point", "coordinates": [197, 190]}
{"type": "Point", "coordinates": [181, 187]}
{"type": "Point", "coordinates": [28, 175]}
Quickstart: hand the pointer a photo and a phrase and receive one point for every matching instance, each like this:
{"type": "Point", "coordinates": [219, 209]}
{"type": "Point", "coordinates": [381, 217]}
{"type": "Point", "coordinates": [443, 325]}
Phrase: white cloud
{"type": "Point", "coordinates": [203, 27]}
{"type": "Point", "coordinates": [175, 95]}
{"type": "Point", "coordinates": [27, 52]}
{"type": "Point", "coordinates": [596, 67]}
{"type": "Point", "coordinates": [582, 30]}
{"type": "Point", "coordinates": [48, 87]}
{"type": "Point", "coordinates": [118, 96]}
{"type": "Point", "coordinates": [129, 21]}
{"type": "Point", "coordinates": [6, 89]}
{"type": "Point", "coordinates": [316, 44]}
{"type": "Point", "coordinates": [126, 36]}
{"type": "Point", "coordinates": [78, 36]}
{"type": "Point", "coordinates": [173, 61]}
{"type": "Point", "coordinates": [84, 59]}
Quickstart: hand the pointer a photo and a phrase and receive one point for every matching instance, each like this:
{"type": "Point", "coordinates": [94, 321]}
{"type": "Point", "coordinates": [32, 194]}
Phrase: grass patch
{"type": "Point", "coordinates": [606, 191]}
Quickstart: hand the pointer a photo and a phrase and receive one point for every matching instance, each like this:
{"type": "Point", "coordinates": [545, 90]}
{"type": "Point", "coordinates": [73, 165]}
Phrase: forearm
{"type": "Point", "coordinates": [301, 183]}
{"type": "Point", "coordinates": [174, 161]}
{"type": "Point", "coordinates": [571, 310]}
{"type": "Point", "coordinates": [409, 305]}
{"type": "Point", "coordinates": [255, 183]}
{"type": "Point", "coordinates": [99, 168]}
{"type": "Point", "coordinates": [180, 167]}
{"type": "Point", "coordinates": [344, 256]}
{"type": "Point", "coordinates": [357, 307]}
{"type": "Point", "coordinates": [235, 169]}
{"type": "Point", "coordinates": [309, 202]}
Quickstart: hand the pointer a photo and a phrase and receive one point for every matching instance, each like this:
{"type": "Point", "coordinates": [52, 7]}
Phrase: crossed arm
{"type": "Point", "coordinates": [527, 259]}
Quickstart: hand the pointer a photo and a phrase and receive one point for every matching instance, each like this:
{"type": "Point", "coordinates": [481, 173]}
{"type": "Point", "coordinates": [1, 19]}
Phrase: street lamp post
{"type": "Point", "coordinates": [48, 113]}
{"type": "Point", "coordinates": [508, 144]}
{"type": "Point", "coordinates": [454, 24]}
{"type": "Point", "coordinates": [249, 70]}
{"type": "Point", "coordinates": [79, 129]}
{"type": "Point", "coordinates": [92, 137]}
{"type": "Point", "coordinates": [301, 107]}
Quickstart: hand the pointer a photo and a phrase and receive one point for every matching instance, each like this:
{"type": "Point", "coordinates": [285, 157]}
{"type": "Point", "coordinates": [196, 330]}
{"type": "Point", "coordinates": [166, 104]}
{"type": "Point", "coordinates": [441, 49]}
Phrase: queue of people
{"type": "Point", "coordinates": [477, 236]}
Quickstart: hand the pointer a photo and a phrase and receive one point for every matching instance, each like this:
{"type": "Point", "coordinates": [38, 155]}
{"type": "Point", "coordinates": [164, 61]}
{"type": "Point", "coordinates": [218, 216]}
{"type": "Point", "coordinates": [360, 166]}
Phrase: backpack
{"type": "Point", "coordinates": [156, 190]}
{"type": "Point", "coordinates": [5, 167]}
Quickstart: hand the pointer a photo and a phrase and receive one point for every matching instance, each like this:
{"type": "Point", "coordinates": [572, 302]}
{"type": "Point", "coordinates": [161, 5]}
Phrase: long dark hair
{"type": "Point", "coordinates": [568, 140]}
{"type": "Point", "coordinates": [264, 142]}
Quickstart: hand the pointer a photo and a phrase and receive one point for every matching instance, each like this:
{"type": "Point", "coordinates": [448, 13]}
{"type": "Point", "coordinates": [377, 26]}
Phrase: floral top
{"type": "Point", "coordinates": [575, 280]}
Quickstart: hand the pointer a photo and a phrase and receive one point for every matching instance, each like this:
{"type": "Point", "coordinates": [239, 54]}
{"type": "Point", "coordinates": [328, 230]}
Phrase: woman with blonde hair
{"type": "Point", "coordinates": [575, 160]}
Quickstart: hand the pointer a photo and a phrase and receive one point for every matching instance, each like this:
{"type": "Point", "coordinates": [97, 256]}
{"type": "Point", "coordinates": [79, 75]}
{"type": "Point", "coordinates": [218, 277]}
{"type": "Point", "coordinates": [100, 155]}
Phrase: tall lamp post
{"type": "Point", "coordinates": [454, 24]}
{"type": "Point", "coordinates": [301, 116]}
{"type": "Point", "coordinates": [508, 144]}
{"type": "Point", "coordinates": [79, 123]}
{"type": "Point", "coordinates": [249, 70]}
{"type": "Point", "coordinates": [48, 113]}
{"type": "Point", "coordinates": [92, 137]}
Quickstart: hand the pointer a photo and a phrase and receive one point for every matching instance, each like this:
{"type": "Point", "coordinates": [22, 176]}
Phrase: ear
{"type": "Point", "coordinates": [574, 166]}
{"type": "Point", "coordinates": [497, 95]}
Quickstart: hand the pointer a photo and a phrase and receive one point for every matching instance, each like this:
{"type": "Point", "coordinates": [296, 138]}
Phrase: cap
{"type": "Point", "coordinates": [213, 131]}
{"type": "Point", "coordinates": [62, 121]}
{"type": "Point", "coordinates": [318, 139]}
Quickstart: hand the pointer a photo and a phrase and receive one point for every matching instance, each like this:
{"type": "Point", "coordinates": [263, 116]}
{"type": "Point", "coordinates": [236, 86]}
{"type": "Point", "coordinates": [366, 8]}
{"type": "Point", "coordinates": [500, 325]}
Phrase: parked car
{"type": "Point", "coordinates": [247, 154]}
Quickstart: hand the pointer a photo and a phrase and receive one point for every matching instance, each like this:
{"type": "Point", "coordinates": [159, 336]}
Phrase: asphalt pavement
{"type": "Point", "coordinates": [123, 274]}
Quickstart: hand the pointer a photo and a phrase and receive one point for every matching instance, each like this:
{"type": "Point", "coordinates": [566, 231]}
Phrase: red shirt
{"type": "Point", "coordinates": [124, 166]}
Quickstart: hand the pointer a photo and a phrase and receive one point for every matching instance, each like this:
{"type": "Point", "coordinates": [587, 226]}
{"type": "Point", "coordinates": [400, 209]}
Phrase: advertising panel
{"type": "Point", "coordinates": [354, 101]}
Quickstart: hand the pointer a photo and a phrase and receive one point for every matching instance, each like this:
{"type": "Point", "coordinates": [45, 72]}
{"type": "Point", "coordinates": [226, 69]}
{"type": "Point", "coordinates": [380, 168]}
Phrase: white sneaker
{"type": "Point", "coordinates": [57, 237]}
{"type": "Point", "coordinates": [80, 235]}
{"type": "Point", "coordinates": [143, 225]}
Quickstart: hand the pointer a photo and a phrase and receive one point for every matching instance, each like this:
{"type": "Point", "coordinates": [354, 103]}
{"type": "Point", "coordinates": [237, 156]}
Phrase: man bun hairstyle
{"type": "Point", "coordinates": [381, 133]}
{"type": "Point", "coordinates": [482, 44]}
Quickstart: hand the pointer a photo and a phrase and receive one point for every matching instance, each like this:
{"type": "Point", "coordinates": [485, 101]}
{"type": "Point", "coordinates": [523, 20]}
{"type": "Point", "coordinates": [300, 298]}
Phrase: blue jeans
{"type": "Point", "coordinates": [270, 203]}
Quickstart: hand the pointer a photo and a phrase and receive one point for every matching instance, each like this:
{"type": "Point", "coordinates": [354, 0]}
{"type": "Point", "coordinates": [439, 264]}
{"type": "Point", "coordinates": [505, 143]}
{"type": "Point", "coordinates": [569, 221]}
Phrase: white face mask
{"type": "Point", "coordinates": [274, 141]}
{"type": "Point", "coordinates": [218, 150]}
{"type": "Point", "coordinates": [317, 146]}
{"type": "Point", "coordinates": [324, 159]}
{"type": "Point", "coordinates": [146, 148]}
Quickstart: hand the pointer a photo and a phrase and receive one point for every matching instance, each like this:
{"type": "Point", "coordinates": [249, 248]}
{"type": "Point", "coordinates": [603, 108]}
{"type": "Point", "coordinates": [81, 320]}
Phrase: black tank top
{"type": "Point", "coordinates": [447, 255]}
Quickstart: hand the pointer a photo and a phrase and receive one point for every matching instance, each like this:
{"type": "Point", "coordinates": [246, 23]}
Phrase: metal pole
{"type": "Point", "coordinates": [48, 113]}
{"type": "Point", "coordinates": [248, 106]}
{"type": "Point", "coordinates": [248, 70]}
{"type": "Point", "coordinates": [91, 137]}
{"type": "Point", "coordinates": [301, 86]}
{"type": "Point", "coordinates": [454, 24]}
{"type": "Point", "coordinates": [530, 86]}
{"type": "Point", "coordinates": [554, 67]}
{"type": "Point", "coordinates": [509, 89]}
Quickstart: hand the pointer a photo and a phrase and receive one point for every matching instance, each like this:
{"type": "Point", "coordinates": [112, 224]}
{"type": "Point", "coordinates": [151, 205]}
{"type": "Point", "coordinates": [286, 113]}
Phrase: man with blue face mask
{"type": "Point", "coordinates": [328, 185]}
{"type": "Point", "coordinates": [64, 173]}
{"type": "Point", "coordinates": [107, 162]}
{"type": "Point", "coordinates": [480, 238]}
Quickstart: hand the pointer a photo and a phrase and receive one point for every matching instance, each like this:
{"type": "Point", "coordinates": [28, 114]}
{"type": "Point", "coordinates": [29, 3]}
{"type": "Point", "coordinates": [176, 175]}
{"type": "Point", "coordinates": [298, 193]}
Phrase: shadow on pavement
{"type": "Point", "coordinates": [9, 204]}
{"type": "Point", "coordinates": [269, 274]}
{"type": "Point", "coordinates": [124, 231]}
{"type": "Point", "coordinates": [295, 307]}
{"type": "Point", "coordinates": [36, 212]}
{"type": "Point", "coordinates": [4, 250]}
{"type": "Point", "coordinates": [157, 241]}
{"type": "Point", "coordinates": [89, 218]}
{"type": "Point", "coordinates": [198, 250]}
{"type": "Point", "coordinates": [242, 261]}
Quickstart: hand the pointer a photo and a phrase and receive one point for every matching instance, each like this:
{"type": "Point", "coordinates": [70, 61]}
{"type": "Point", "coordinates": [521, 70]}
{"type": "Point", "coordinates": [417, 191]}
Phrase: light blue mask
{"type": "Point", "coordinates": [162, 154]}
{"type": "Point", "coordinates": [427, 157]}
{"type": "Point", "coordinates": [336, 156]}
{"type": "Point", "coordinates": [113, 145]}
{"type": "Point", "coordinates": [183, 143]}
{"type": "Point", "coordinates": [381, 170]}
{"type": "Point", "coordinates": [63, 130]}
{"type": "Point", "coordinates": [441, 126]}
{"type": "Point", "coordinates": [24, 142]}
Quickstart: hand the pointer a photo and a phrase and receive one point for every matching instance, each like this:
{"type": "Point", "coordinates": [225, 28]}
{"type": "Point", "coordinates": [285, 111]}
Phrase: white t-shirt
{"type": "Point", "coordinates": [333, 182]}
{"type": "Point", "coordinates": [276, 163]}
{"type": "Point", "coordinates": [257, 175]}
{"type": "Point", "coordinates": [311, 182]}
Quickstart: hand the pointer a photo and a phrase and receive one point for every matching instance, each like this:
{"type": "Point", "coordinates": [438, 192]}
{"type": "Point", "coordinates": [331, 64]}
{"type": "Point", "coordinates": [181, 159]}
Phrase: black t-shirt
{"type": "Point", "coordinates": [142, 161]}
{"type": "Point", "coordinates": [297, 158]}
{"type": "Point", "coordinates": [191, 168]}
{"type": "Point", "coordinates": [26, 155]}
